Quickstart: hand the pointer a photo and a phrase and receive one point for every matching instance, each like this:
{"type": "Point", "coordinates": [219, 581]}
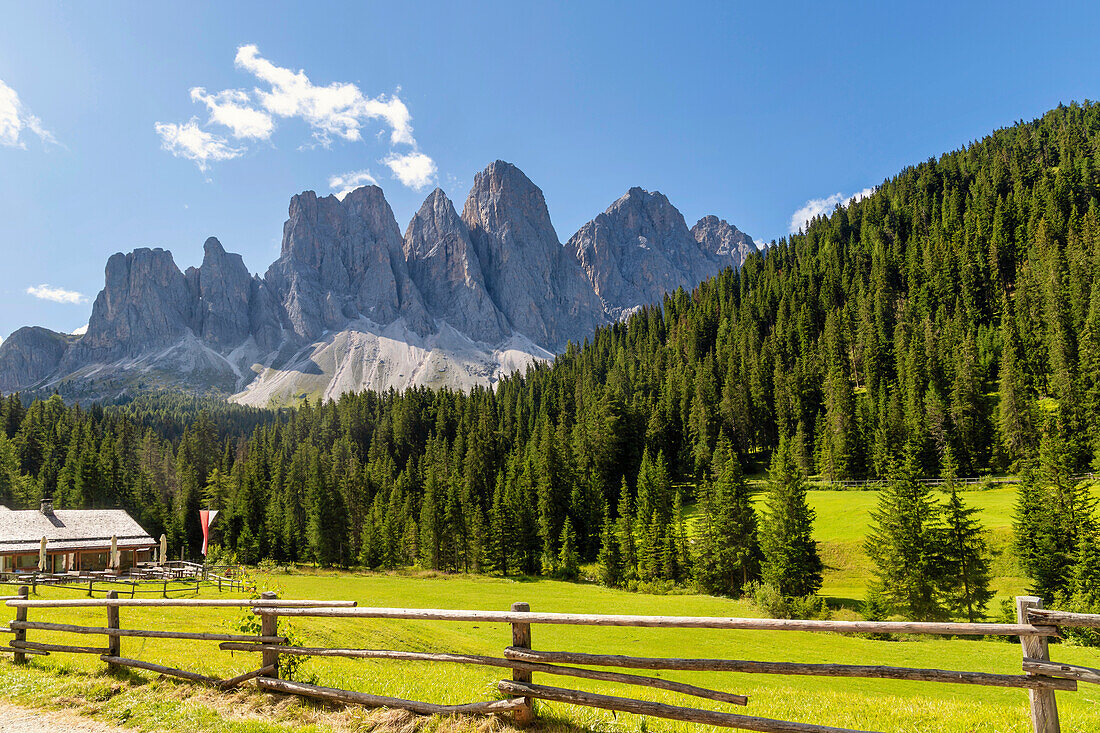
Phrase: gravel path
{"type": "Point", "coordinates": [14, 719]}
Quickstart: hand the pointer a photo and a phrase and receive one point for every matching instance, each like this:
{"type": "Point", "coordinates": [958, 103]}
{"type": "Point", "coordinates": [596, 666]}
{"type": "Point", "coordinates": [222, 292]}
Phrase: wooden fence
{"type": "Point", "coordinates": [1040, 676]}
{"type": "Point", "coordinates": [174, 577]}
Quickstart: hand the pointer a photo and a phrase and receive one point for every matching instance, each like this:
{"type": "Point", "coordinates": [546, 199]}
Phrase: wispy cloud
{"type": "Point", "coordinates": [232, 108]}
{"type": "Point", "coordinates": [192, 142]}
{"type": "Point", "coordinates": [15, 118]}
{"type": "Point", "coordinates": [338, 111]}
{"type": "Point", "coordinates": [414, 169]}
{"type": "Point", "coordinates": [817, 207]}
{"type": "Point", "coordinates": [345, 183]}
{"type": "Point", "coordinates": [56, 295]}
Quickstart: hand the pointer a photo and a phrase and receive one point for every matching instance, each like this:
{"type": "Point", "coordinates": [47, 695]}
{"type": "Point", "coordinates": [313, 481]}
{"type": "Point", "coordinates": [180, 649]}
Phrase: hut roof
{"type": "Point", "coordinates": [69, 529]}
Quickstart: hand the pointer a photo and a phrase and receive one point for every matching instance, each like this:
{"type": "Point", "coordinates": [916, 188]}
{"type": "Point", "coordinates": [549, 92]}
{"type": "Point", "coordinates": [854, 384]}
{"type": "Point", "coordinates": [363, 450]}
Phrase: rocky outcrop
{"type": "Point", "coordinates": [638, 250]}
{"type": "Point", "coordinates": [30, 355]}
{"type": "Point", "coordinates": [351, 304]}
{"type": "Point", "coordinates": [446, 270]}
{"type": "Point", "coordinates": [723, 240]}
{"type": "Point", "coordinates": [223, 287]}
{"type": "Point", "coordinates": [145, 303]}
{"type": "Point", "coordinates": [533, 280]}
{"type": "Point", "coordinates": [342, 260]}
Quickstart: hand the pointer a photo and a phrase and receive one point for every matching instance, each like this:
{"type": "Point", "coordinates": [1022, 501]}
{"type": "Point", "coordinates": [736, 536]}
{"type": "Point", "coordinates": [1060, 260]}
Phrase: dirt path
{"type": "Point", "coordinates": [14, 719]}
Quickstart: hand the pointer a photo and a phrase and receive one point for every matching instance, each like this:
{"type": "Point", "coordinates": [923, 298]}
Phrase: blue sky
{"type": "Point", "coordinates": [744, 110]}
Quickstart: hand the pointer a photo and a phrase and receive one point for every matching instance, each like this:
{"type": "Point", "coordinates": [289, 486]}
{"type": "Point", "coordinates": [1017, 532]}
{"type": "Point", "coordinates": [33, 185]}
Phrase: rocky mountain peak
{"type": "Point", "coordinates": [534, 281]}
{"type": "Point", "coordinates": [639, 249]}
{"type": "Point", "coordinates": [145, 302]}
{"type": "Point", "coordinates": [342, 260]}
{"type": "Point", "coordinates": [718, 238]}
{"type": "Point", "coordinates": [223, 287]}
{"type": "Point", "coordinates": [447, 271]}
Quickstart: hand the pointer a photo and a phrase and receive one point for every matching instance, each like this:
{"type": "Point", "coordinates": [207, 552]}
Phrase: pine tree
{"type": "Point", "coordinates": [1054, 515]}
{"type": "Point", "coordinates": [966, 553]}
{"type": "Point", "coordinates": [610, 559]}
{"type": "Point", "coordinates": [791, 562]}
{"type": "Point", "coordinates": [568, 561]}
{"type": "Point", "coordinates": [729, 555]}
{"type": "Point", "coordinates": [906, 544]}
{"type": "Point", "coordinates": [624, 534]}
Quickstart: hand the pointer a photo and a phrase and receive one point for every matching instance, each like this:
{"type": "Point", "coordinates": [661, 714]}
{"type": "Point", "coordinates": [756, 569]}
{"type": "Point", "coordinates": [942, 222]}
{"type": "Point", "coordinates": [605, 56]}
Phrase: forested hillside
{"type": "Point", "coordinates": [958, 307]}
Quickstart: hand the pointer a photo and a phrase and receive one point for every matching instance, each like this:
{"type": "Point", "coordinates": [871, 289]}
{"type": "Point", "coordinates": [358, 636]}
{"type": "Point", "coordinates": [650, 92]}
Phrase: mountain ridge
{"type": "Point", "coordinates": [351, 303]}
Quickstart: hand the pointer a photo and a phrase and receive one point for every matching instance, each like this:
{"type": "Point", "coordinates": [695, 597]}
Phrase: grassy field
{"type": "Point", "coordinates": [844, 519]}
{"type": "Point", "coordinates": [147, 703]}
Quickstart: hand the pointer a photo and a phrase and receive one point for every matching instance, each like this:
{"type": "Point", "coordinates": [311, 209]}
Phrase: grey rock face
{"type": "Point", "coordinates": [340, 260]}
{"type": "Point", "coordinates": [638, 250]}
{"type": "Point", "coordinates": [30, 355]}
{"type": "Point", "coordinates": [723, 240]}
{"type": "Point", "coordinates": [535, 282]}
{"type": "Point", "coordinates": [223, 286]}
{"type": "Point", "coordinates": [447, 271]}
{"type": "Point", "coordinates": [145, 303]}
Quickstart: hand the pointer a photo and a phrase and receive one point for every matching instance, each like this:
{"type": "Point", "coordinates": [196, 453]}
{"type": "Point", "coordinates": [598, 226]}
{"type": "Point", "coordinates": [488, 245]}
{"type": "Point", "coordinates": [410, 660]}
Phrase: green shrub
{"type": "Point", "coordinates": [774, 604]}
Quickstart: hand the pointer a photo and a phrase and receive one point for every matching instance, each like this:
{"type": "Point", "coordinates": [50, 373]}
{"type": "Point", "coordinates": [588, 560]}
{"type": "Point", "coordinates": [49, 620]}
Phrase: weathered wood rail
{"type": "Point", "coordinates": [1040, 676]}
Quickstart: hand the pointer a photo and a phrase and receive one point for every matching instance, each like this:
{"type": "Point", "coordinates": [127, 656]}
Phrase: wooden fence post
{"type": "Point", "coordinates": [1044, 708]}
{"type": "Point", "coordinates": [521, 639]}
{"type": "Point", "coordinates": [21, 634]}
{"type": "Point", "coordinates": [114, 643]}
{"type": "Point", "coordinates": [269, 626]}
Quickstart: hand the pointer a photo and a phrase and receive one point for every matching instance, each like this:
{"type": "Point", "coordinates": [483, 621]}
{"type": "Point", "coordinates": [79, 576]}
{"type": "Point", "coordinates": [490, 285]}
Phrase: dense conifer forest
{"type": "Point", "coordinates": [948, 324]}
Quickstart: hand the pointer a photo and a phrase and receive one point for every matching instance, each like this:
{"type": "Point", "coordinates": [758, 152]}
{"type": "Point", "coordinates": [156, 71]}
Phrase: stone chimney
{"type": "Point", "coordinates": [47, 506]}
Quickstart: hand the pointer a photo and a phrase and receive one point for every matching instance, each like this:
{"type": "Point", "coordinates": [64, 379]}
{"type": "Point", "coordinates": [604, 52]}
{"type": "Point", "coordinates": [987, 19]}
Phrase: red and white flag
{"type": "Point", "coordinates": [206, 516]}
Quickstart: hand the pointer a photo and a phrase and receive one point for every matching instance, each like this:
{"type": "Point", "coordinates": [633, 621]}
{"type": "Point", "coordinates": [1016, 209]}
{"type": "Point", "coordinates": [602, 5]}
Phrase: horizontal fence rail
{"type": "Point", "coordinates": [794, 668]}
{"type": "Point", "coordinates": [1035, 625]}
{"type": "Point", "coordinates": [669, 622]}
{"type": "Point", "coordinates": [176, 602]}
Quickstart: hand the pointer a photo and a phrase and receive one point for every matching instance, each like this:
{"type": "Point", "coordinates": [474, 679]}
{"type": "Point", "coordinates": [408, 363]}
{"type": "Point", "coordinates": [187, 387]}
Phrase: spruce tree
{"type": "Point", "coordinates": [624, 534]}
{"type": "Point", "coordinates": [966, 552]}
{"type": "Point", "coordinates": [729, 551]}
{"type": "Point", "coordinates": [906, 544]}
{"type": "Point", "coordinates": [568, 560]}
{"type": "Point", "coordinates": [1054, 515]}
{"type": "Point", "coordinates": [610, 559]}
{"type": "Point", "coordinates": [791, 562]}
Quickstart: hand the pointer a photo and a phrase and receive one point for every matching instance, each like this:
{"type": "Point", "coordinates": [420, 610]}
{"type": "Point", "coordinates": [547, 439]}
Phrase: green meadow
{"type": "Point", "coordinates": [145, 702]}
{"type": "Point", "coordinates": [844, 519]}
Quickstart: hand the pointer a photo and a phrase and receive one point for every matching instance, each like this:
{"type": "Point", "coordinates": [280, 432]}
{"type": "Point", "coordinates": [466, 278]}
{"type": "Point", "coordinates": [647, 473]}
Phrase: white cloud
{"type": "Point", "coordinates": [414, 169]}
{"type": "Point", "coordinates": [344, 183]}
{"type": "Point", "coordinates": [192, 142]}
{"type": "Point", "coordinates": [81, 331]}
{"type": "Point", "coordinates": [57, 295]}
{"type": "Point", "coordinates": [337, 111]}
{"type": "Point", "coordinates": [818, 207]}
{"type": "Point", "coordinates": [232, 108]}
{"type": "Point", "coordinates": [15, 117]}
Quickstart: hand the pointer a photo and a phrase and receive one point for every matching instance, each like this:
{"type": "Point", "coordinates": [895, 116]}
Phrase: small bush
{"type": "Point", "coordinates": [774, 604]}
{"type": "Point", "coordinates": [875, 608]}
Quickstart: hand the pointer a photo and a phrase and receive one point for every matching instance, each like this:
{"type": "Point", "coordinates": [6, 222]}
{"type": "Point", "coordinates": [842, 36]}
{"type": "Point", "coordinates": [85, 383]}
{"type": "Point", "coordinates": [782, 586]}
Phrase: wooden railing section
{"type": "Point", "coordinates": [1040, 676]}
